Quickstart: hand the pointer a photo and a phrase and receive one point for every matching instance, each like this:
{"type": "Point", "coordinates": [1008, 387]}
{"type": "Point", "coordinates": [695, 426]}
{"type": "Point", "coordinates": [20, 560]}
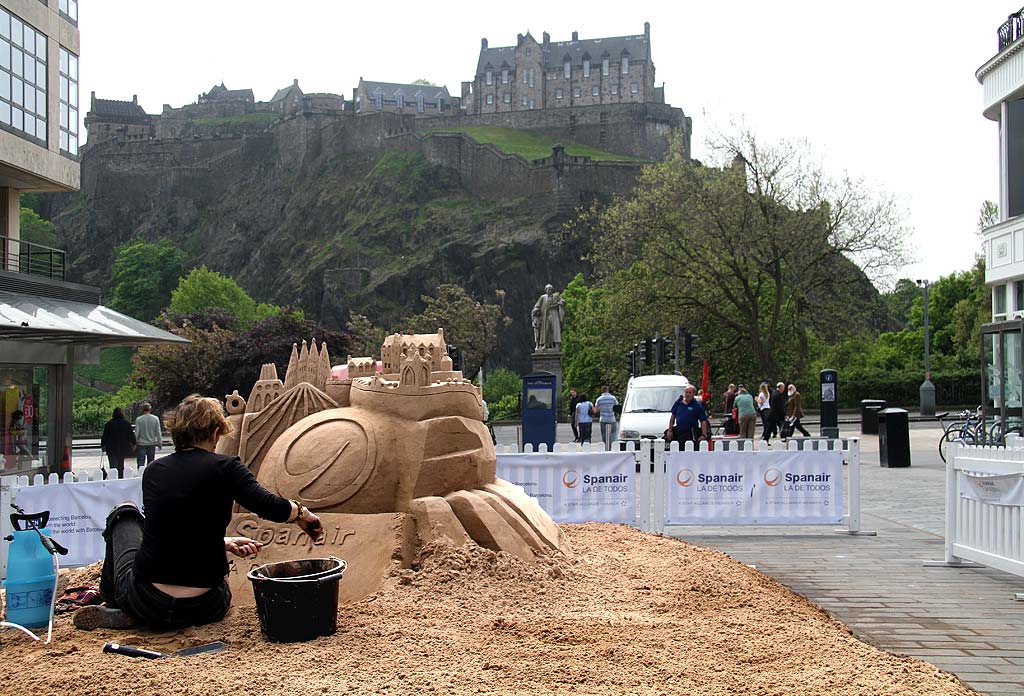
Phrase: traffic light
{"type": "Point", "coordinates": [458, 361]}
{"type": "Point", "coordinates": [690, 347]}
{"type": "Point", "coordinates": [641, 357]}
{"type": "Point", "coordinates": [631, 363]}
{"type": "Point", "coordinates": [648, 352]}
{"type": "Point", "coordinates": [664, 352]}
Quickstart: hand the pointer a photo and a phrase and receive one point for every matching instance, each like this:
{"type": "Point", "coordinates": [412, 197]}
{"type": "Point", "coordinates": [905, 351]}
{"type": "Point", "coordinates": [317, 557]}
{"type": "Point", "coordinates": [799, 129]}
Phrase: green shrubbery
{"type": "Point", "coordinates": [92, 413]}
{"type": "Point", "coordinates": [502, 389]}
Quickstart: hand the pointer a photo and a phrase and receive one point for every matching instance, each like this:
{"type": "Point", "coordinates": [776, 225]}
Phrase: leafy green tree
{"type": "Point", "coordinates": [762, 251]}
{"type": "Point", "coordinates": [144, 276]}
{"type": "Point", "coordinates": [988, 215]}
{"type": "Point", "coordinates": [423, 81]}
{"type": "Point", "coordinates": [469, 324]}
{"type": "Point", "coordinates": [500, 384]}
{"type": "Point", "coordinates": [36, 230]}
{"type": "Point", "coordinates": [205, 289]}
{"type": "Point", "coordinates": [588, 357]}
{"type": "Point", "coordinates": [365, 338]}
{"type": "Point", "coordinates": [171, 372]}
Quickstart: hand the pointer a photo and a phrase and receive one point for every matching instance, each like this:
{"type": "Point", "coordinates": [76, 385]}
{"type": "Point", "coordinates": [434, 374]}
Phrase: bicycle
{"type": "Point", "coordinates": [1000, 429]}
{"type": "Point", "coordinates": [968, 431]}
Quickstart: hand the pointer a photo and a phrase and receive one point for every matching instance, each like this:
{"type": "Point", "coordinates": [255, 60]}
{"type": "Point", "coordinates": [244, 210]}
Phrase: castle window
{"type": "Point", "coordinates": [440, 104]}
{"type": "Point", "coordinates": [419, 103]}
{"type": "Point", "coordinates": [490, 98]}
{"type": "Point", "coordinates": [489, 78]}
{"type": "Point", "coordinates": [615, 88]}
{"type": "Point", "coordinates": [634, 87]}
{"type": "Point", "coordinates": [525, 101]}
{"type": "Point", "coordinates": [567, 70]}
{"type": "Point", "coordinates": [531, 103]}
{"type": "Point", "coordinates": [379, 98]}
{"type": "Point", "coordinates": [507, 98]}
{"type": "Point", "coordinates": [576, 91]}
{"type": "Point", "coordinates": [359, 104]}
{"type": "Point", "coordinates": [595, 91]}
{"type": "Point", "coordinates": [504, 77]}
{"type": "Point", "coordinates": [532, 76]}
{"type": "Point", "coordinates": [604, 66]}
{"type": "Point", "coordinates": [400, 101]}
{"type": "Point", "coordinates": [23, 79]}
{"type": "Point", "coordinates": [625, 65]}
{"type": "Point", "coordinates": [525, 74]}
{"type": "Point", "coordinates": [558, 93]}
{"type": "Point", "coordinates": [586, 68]}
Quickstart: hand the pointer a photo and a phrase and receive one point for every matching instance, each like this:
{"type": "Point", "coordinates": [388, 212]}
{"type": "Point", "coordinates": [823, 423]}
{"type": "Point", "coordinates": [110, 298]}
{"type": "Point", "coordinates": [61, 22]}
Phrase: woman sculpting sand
{"type": "Point", "coordinates": [166, 569]}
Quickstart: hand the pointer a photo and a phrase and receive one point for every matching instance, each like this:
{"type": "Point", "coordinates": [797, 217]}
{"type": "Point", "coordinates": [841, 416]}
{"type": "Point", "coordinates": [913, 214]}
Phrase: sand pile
{"type": "Point", "coordinates": [630, 613]}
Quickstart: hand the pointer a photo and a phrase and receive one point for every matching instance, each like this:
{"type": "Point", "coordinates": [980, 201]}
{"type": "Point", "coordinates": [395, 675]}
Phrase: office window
{"type": "Point", "coordinates": [614, 88]}
{"type": "Point", "coordinates": [586, 68]}
{"type": "Point", "coordinates": [489, 78]}
{"type": "Point", "coordinates": [567, 69]}
{"type": "Point", "coordinates": [507, 98]}
{"type": "Point", "coordinates": [595, 91]}
{"type": "Point", "coordinates": [576, 91]}
{"type": "Point", "coordinates": [23, 78]}
{"type": "Point", "coordinates": [625, 64]}
{"type": "Point", "coordinates": [604, 67]}
{"type": "Point", "coordinates": [68, 102]}
{"type": "Point", "coordinates": [70, 9]}
{"type": "Point", "coordinates": [558, 93]}
{"type": "Point", "coordinates": [504, 77]}
{"type": "Point", "coordinates": [1019, 292]}
{"type": "Point", "coordinates": [490, 98]}
{"type": "Point", "coordinates": [999, 295]}
{"type": "Point", "coordinates": [634, 87]}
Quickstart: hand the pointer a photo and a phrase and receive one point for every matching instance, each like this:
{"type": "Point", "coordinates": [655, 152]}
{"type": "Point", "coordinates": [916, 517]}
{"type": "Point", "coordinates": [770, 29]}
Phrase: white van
{"type": "Point", "coordinates": [648, 406]}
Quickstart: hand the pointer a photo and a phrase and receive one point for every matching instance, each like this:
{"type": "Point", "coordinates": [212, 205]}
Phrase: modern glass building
{"type": "Point", "coordinates": [47, 324]}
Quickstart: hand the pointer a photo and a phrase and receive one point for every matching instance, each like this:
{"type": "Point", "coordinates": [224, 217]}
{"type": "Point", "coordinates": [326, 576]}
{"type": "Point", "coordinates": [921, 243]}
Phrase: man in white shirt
{"type": "Point", "coordinates": [606, 404]}
{"type": "Point", "coordinates": [148, 435]}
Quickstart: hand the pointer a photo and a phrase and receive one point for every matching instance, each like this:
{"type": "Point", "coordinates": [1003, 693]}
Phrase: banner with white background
{"type": "Point", "coordinates": [577, 487]}
{"type": "Point", "coordinates": [1005, 489]}
{"type": "Point", "coordinates": [78, 512]}
{"type": "Point", "coordinates": [754, 487]}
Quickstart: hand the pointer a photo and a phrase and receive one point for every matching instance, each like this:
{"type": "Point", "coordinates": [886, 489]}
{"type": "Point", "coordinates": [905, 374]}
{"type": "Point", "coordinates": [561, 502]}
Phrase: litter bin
{"type": "Point", "coordinates": [869, 409]}
{"type": "Point", "coordinates": [893, 437]}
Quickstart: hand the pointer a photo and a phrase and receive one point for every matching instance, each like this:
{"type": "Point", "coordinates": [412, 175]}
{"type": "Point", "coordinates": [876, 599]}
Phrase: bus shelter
{"type": "Point", "coordinates": [1002, 360]}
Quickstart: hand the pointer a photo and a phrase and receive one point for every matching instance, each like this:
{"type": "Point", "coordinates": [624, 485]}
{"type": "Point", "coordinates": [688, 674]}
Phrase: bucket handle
{"type": "Point", "coordinates": [305, 578]}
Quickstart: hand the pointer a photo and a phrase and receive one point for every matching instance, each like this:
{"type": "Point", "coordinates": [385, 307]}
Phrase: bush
{"type": "Point", "coordinates": [900, 388]}
{"type": "Point", "coordinates": [91, 414]}
{"type": "Point", "coordinates": [507, 407]}
{"type": "Point", "coordinates": [500, 384]}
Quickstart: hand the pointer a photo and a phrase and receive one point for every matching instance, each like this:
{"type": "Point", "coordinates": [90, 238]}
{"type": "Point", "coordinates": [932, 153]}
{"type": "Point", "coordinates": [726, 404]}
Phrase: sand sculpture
{"type": "Point", "coordinates": [409, 442]}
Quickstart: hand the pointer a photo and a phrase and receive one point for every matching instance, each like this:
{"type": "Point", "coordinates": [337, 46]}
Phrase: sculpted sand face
{"type": "Point", "coordinates": [410, 440]}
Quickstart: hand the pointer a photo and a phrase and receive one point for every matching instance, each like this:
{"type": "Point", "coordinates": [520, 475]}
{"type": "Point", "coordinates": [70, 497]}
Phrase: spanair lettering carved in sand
{"type": "Point", "coordinates": [390, 460]}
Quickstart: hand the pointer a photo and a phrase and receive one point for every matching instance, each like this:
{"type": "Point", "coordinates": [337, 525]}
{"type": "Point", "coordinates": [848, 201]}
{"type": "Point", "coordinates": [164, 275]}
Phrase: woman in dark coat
{"type": "Point", "coordinates": [118, 440]}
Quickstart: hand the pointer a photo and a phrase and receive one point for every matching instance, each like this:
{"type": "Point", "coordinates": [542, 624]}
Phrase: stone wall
{"type": "Point", "coordinates": [638, 130]}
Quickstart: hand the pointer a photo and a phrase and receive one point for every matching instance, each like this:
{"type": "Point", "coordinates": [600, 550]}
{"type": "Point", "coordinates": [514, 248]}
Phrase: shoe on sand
{"type": "Point", "coordinates": [92, 617]}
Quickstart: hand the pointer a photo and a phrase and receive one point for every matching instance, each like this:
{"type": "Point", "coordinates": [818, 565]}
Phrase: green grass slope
{"type": "Point", "coordinates": [528, 144]}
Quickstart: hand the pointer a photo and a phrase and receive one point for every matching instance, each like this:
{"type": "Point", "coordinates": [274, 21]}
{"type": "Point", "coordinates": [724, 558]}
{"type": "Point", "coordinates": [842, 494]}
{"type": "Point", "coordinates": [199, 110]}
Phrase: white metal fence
{"type": "Point", "coordinates": [984, 506]}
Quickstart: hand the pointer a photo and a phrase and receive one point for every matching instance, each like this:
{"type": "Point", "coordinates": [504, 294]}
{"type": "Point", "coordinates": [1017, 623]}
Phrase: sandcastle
{"type": "Point", "coordinates": [390, 461]}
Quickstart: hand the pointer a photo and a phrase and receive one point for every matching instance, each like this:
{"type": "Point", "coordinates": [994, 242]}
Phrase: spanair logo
{"type": "Point", "coordinates": [684, 478]}
{"type": "Point", "coordinates": [772, 477]}
{"type": "Point", "coordinates": [570, 479]}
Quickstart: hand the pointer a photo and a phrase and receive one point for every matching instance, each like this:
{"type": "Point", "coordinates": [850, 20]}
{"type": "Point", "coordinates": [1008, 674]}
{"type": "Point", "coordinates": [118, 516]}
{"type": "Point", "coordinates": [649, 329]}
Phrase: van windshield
{"type": "Point", "coordinates": [652, 399]}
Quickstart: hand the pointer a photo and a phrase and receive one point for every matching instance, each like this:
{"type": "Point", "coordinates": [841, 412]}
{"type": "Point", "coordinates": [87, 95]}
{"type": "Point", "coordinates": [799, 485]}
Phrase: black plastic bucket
{"type": "Point", "coordinates": [298, 600]}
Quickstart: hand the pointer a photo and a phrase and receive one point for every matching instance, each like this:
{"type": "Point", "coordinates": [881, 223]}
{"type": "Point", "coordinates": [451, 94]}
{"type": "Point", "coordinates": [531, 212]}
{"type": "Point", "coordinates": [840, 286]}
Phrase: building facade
{"type": "Point", "coordinates": [370, 96]}
{"type": "Point", "coordinates": [123, 121]}
{"type": "Point", "coordinates": [559, 74]}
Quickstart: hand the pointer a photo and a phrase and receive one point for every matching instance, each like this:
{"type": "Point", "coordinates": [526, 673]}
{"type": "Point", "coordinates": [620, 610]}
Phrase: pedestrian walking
{"type": "Point", "coordinates": [729, 397]}
{"type": "Point", "coordinates": [118, 440]}
{"type": "Point", "coordinates": [764, 407]}
{"type": "Point", "coordinates": [777, 411]}
{"type": "Point", "coordinates": [148, 435]}
{"type": "Point", "coordinates": [689, 421]}
{"type": "Point", "coordinates": [747, 412]}
{"type": "Point", "coordinates": [606, 404]}
{"type": "Point", "coordinates": [584, 418]}
{"type": "Point", "coordinates": [795, 411]}
{"type": "Point", "coordinates": [574, 401]}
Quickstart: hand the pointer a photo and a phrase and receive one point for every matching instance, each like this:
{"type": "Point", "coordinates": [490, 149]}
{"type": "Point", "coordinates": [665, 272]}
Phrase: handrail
{"type": "Point", "coordinates": [1011, 30]}
{"type": "Point", "coordinates": [30, 258]}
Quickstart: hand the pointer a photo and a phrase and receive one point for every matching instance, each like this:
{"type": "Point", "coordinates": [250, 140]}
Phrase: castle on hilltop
{"type": "Point", "coordinates": [599, 92]}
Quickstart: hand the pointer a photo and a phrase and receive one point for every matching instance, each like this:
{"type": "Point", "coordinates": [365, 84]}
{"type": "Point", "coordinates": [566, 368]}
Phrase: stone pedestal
{"type": "Point", "coordinates": [549, 361]}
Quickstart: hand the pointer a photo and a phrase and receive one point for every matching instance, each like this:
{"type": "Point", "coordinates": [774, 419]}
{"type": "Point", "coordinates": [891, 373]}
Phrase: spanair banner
{"type": "Point", "coordinates": [576, 486]}
{"type": "Point", "coordinates": [1005, 489]}
{"type": "Point", "coordinates": [78, 513]}
{"type": "Point", "coordinates": [754, 487]}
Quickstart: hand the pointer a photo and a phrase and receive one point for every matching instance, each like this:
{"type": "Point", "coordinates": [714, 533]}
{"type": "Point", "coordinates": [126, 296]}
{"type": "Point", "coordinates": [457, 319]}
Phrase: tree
{"type": "Point", "coordinates": [36, 230]}
{"type": "Point", "coordinates": [467, 323]}
{"type": "Point", "coordinates": [365, 339]}
{"type": "Point", "coordinates": [205, 289]}
{"type": "Point", "coordinates": [423, 81]}
{"type": "Point", "coordinates": [144, 276]}
{"type": "Point", "coordinates": [588, 358]}
{"type": "Point", "coordinates": [987, 216]}
{"type": "Point", "coordinates": [172, 372]}
{"type": "Point", "coordinates": [763, 251]}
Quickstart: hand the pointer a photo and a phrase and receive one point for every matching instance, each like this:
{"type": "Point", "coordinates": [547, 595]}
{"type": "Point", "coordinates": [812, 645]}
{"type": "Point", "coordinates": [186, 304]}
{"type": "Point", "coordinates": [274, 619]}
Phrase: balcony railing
{"type": "Point", "coordinates": [34, 259]}
{"type": "Point", "coordinates": [1012, 29]}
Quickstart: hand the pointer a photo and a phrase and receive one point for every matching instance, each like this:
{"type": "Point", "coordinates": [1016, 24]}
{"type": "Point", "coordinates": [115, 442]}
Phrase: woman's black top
{"type": "Point", "coordinates": [118, 437]}
{"type": "Point", "coordinates": [187, 497]}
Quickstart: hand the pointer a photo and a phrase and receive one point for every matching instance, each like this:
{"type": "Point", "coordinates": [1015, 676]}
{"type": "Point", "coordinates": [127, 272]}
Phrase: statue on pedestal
{"type": "Point", "coordinates": [548, 314]}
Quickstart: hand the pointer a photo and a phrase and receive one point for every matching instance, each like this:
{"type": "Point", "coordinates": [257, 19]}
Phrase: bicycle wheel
{"type": "Point", "coordinates": [944, 445]}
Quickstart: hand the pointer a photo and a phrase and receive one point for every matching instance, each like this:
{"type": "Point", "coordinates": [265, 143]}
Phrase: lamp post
{"type": "Point", "coordinates": [927, 388]}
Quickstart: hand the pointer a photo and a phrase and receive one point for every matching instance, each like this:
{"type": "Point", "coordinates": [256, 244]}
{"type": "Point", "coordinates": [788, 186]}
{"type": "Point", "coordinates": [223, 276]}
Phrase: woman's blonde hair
{"type": "Point", "coordinates": [194, 421]}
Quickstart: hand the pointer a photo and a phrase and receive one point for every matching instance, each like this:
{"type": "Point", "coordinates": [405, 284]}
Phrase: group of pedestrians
{"type": "Point", "coordinates": [121, 440]}
{"type": "Point", "coordinates": [780, 409]}
{"type": "Point", "coordinates": [584, 412]}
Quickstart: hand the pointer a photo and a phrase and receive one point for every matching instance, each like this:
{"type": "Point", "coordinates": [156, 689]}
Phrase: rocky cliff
{"type": "Point", "coordinates": [313, 215]}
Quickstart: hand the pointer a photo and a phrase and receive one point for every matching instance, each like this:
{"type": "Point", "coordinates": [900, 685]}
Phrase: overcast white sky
{"type": "Point", "coordinates": [884, 90]}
